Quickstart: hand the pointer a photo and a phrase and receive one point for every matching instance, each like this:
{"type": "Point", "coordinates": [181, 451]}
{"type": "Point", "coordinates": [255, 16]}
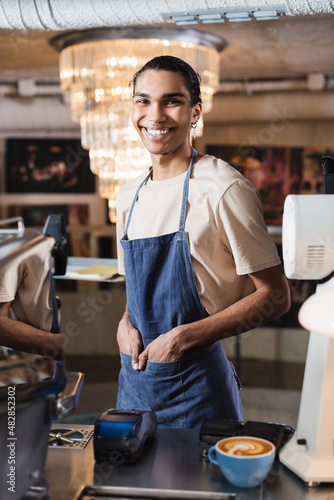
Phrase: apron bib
{"type": "Point", "coordinates": [162, 294]}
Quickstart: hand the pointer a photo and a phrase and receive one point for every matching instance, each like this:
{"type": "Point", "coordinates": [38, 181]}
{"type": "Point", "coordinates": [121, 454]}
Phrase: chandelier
{"type": "Point", "coordinates": [96, 68]}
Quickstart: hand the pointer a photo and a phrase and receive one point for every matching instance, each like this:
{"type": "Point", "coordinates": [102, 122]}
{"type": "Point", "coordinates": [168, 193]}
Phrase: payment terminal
{"type": "Point", "coordinates": [120, 435]}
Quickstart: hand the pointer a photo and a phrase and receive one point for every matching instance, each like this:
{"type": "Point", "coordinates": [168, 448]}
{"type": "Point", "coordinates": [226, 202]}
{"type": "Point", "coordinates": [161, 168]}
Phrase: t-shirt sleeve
{"type": "Point", "coordinates": [244, 231]}
{"type": "Point", "coordinates": [10, 279]}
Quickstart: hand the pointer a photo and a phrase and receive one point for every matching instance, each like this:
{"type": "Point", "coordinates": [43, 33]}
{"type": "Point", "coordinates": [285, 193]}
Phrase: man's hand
{"type": "Point", "coordinates": [162, 350]}
{"type": "Point", "coordinates": [129, 339]}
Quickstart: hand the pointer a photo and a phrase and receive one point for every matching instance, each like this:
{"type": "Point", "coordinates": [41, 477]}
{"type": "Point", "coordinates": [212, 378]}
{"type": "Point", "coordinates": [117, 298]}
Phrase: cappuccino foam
{"type": "Point", "coordinates": [245, 446]}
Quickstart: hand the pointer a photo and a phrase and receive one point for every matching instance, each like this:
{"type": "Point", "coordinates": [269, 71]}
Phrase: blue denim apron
{"type": "Point", "coordinates": [162, 294]}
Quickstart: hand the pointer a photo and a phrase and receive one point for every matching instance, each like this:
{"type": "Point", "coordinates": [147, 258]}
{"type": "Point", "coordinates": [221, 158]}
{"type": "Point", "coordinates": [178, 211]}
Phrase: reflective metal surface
{"type": "Point", "coordinates": [96, 492]}
{"type": "Point", "coordinates": [74, 37]}
{"type": "Point", "coordinates": [172, 461]}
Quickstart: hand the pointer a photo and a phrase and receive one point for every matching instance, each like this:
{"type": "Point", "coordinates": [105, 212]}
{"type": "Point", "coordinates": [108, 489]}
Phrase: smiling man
{"type": "Point", "coordinates": [198, 261]}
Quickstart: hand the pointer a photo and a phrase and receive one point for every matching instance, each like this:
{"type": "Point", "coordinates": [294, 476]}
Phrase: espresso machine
{"type": "Point", "coordinates": [35, 389]}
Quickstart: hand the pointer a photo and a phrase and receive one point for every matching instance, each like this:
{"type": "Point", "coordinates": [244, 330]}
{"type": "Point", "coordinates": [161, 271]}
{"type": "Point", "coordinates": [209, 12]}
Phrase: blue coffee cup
{"type": "Point", "coordinates": [246, 460]}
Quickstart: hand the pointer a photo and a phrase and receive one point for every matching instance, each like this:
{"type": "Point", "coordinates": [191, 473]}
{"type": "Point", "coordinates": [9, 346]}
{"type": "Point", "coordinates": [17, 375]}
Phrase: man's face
{"type": "Point", "coordinates": [162, 113]}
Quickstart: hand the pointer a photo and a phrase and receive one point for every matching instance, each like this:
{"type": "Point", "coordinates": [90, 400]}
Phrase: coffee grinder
{"type": "Point", "coordinates": [308, 253]}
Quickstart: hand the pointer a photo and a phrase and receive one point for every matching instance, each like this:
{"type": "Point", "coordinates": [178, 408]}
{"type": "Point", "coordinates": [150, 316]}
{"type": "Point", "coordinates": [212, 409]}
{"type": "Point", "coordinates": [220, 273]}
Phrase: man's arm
{"type": "Point", "coordinates": [24, 337]}
{"type": "Point", "coordinates": [270, 299]}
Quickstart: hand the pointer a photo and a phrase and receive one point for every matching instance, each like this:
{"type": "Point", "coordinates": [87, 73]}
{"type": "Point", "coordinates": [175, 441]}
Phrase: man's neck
{"type": "Point", "coordinates": [170, 165]}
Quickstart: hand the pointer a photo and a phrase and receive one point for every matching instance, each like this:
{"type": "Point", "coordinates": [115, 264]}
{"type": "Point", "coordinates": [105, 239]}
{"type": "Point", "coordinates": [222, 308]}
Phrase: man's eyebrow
{"type": "Point", "coordinates": [173, 94]}
{"type": "Point", "coordinates": [164, 96]}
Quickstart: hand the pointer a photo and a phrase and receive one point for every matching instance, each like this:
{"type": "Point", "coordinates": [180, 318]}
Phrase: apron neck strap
{"type": "Point", "coordinates": [184, 196]}
{"type": "Point", "coordinates": [185, 191]}
{"type": "Point", "coordinates": [134, 201]}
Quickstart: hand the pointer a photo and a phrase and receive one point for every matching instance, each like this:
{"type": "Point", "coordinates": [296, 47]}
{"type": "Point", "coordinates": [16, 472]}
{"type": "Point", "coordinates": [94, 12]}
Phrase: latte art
{"type": "Point", "coordinates": [245, 461]}
{"type": "Point", "coordinates": [245, 447]}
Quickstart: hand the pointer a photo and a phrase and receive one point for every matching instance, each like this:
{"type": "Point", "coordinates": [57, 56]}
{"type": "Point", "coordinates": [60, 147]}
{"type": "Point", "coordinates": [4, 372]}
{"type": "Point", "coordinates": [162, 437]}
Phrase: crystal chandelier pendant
{"type": "Point", "coordinates": [96, 68]}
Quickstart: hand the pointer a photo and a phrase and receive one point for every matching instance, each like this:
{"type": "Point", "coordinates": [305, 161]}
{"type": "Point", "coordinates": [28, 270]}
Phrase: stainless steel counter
{"type": "Point", "coordinates": [172, 461]}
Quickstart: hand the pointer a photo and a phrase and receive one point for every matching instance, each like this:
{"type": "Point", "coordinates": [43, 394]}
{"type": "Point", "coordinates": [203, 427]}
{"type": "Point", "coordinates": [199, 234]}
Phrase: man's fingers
{"type": "Point", "coordinates": [135, 353]}
{"type": "Point", "coordinates": [142, 360]}
{"type": "Point", "coordinates": [135, 360]}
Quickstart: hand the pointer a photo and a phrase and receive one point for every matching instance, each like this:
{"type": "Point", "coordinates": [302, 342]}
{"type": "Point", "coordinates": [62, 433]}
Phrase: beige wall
{"type": "Point", "coordinates": [295, 119]}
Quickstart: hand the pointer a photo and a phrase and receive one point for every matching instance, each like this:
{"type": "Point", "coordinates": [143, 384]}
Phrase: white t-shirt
{"type": "Point", "coordinates": [228, 237]}
{"type": "Point", "coordinates": [24, 281]}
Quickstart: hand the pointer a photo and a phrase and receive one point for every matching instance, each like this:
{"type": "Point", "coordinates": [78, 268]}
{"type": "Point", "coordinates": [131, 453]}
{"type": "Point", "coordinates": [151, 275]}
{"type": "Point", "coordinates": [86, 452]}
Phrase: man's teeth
{"type": "Point", "coordinates": [158, 132]}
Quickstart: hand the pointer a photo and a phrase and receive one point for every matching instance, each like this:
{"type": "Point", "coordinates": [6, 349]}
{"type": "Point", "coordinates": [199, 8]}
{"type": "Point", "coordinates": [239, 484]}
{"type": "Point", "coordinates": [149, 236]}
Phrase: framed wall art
{"type": "Point", "coordinates": [47, 166]}
{"type": "Point", "coordinates": [276, 172]}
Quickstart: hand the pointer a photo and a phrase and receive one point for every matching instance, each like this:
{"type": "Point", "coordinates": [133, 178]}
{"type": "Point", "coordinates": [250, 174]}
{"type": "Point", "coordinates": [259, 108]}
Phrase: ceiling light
{"type": "Point", "coordinates": [241, 14]}
{"type": "Point", "coordinates": [214, 17]}
{"type": "Point", "coordinates": [184, 18]}
{"type": "Point", "coordinates": [266, 14]}
{"type": "Point", "coordinates": [210, 21]}
{"type": "Point", "coordinates": [184, 23]}
{"type": "Point", "coordinates": [232, 14]}
{"type": "Point", "coordinates": [239, 19]}
{"type": "Point", "coordinates": [96, 68]}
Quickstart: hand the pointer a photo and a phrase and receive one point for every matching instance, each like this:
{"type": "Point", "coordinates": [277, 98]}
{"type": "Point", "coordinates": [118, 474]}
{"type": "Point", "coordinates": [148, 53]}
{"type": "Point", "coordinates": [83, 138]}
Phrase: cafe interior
{"type": "Point", "coordinates": [67, 145]}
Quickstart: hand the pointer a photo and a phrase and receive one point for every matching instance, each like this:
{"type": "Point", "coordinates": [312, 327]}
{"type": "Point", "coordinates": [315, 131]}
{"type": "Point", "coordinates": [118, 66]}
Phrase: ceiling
{"type": "Point", "coordinates": [297, 44]}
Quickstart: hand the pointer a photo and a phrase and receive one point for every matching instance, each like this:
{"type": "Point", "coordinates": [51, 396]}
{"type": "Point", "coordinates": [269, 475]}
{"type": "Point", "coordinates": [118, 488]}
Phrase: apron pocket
{"type": "Point", "coordinates": [210, 383]}
{"type": "Point", "coordinates": [158, 387]}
